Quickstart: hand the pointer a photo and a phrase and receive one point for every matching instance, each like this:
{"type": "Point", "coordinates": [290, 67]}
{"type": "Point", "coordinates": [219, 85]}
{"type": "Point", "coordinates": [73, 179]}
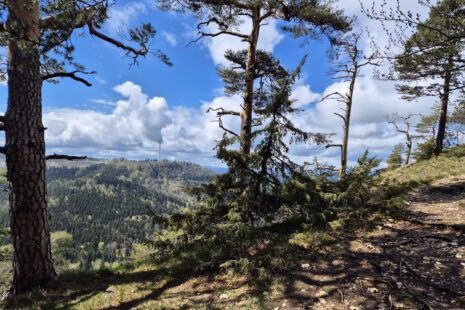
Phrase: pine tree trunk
{"type": "Point", "coordinates": [443, 115]}
{"type": "Point", "coordinates": [345, 139]}
{"type": "Point", "coordinates": [409, 149]}
{"type": "Point", "coordinates": [25, 153]}
{"type": "Point", "coordinates": [246, 113]}
{"type": "Point", "coordinates": [348, 111]}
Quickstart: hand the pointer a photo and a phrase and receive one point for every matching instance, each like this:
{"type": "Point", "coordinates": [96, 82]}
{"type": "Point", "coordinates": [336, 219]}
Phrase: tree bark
{"type": "Point", "coordinates": [348, 111]}
{"type": "Point", "coordinates": [444, 104]}
{"type": "Point", "coordinates": [409, 149]}
{"type": "Point", "coordinates": [246, 113]}
{"type": "Point", "coordinates": [25, 152]}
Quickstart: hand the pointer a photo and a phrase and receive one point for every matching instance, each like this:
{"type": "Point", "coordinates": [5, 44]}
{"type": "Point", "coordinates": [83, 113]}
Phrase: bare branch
{"type": "Point", "coordinates": [71, 75]}
{"type": "Point", "coordinates": [207, 34]}
{"type": "Point", "coordinates": [221, 112]}
{"type": "Point", "coordinates": [67, 157]}
{"type": "Point", "coordinates": [333, 145]}
{"type": "Point", "coordinates": [332, 96]}
{"type": "Point", "coordinates": [341, 116]}
{"type": "Point", "coordinates": [212, 20]}
{"type": "Point", "coordinates": [220, 124]}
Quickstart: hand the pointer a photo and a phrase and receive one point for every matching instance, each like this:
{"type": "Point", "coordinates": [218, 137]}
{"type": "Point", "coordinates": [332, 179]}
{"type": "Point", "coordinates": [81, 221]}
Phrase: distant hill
{"type": "Point", "coordinates": [103, 203]}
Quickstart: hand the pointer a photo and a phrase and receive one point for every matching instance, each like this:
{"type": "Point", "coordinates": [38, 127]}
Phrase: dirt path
{"type": "Point", "coordinates": [415, 263]}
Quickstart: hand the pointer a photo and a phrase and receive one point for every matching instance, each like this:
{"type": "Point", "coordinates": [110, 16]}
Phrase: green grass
{"type": "Point", "coordinates": [428, 171]}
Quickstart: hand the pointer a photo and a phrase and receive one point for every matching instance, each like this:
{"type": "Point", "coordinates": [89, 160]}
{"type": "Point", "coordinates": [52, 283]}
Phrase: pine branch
{"type": "Point", "coordinates": [71, 75]}
{"type": "Point", "coordinates": [207, 34]}
{"type": "Point", "coordinates": [136, 53]}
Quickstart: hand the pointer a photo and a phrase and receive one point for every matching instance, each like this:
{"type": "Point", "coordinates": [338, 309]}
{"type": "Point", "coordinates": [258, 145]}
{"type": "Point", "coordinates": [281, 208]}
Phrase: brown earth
{"type": "Point", "coordinates": [417, 262]}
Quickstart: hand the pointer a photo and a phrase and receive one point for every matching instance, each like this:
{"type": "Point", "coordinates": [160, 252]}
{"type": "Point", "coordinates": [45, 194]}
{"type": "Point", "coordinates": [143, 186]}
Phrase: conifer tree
{"type": "Point", "coordinates": [433, 61]}
{"type": "Point", "coordinates": [426, 128]}
{"type": "Point", "coordinates": [457, 120]}
{"type": "Point", "coordinates": [38, 38]}
{"type": "Point", "coordinates": [261, 189]}
{"type": "Point", "coordinates": [310, 18]}
{"type": "Point", "coordinates": [395, 159]}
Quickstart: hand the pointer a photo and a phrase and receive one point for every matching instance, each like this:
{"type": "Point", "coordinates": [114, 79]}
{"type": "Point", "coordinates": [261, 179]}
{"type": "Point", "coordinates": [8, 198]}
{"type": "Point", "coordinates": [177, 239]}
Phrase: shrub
{"type": "Point", "coordinates": [424, 151]}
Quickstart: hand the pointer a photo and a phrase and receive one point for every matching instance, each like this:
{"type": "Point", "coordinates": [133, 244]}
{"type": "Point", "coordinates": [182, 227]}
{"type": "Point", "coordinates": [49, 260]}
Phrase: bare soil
{"type": "Point", "coordinates": [417, 262]}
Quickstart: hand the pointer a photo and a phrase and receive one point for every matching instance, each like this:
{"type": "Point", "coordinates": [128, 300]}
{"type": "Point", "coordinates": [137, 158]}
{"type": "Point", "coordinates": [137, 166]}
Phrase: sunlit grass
{"type": "Point", "coordinates": [428, 171]}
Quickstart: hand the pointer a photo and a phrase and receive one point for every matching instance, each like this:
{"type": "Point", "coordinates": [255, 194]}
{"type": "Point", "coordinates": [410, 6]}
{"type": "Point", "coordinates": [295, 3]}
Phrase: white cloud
{"type": "Point", "coordinates": [170, 37]}
{"type": "Point", "coordinates": [120, 17]}
{"type": "Point", "coordinates": [374, 27]}
{"type": "Point", "coordinates": [100, 80]}
{"type": "Point", "coordinates": [135, 122]}
{"type": "Point", "coordinates": [193, 133]}
{"type": "Point", "coordinates": [373, 102]}
{"type": "Point", "coordinates": [303, 95]}
{"type": "Point", "coordinates": [269, 37]}
{"type": "Point", "coordinates": [132, 129]}
{"type": "Point", "coordinates": [134, 126]}
{"type": "Point", "coordinates": [103, 102]}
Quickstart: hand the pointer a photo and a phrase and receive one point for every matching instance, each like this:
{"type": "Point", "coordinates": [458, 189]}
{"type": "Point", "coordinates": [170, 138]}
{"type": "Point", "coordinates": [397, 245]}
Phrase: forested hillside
{"type": "Point", "coordinates": [104, 206]}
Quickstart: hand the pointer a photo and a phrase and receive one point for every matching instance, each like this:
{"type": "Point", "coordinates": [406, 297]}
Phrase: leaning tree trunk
{"type": "Point", "coordinates": [409, 149]}
{"type": "Point", "coordinates": [345, 139]}
{"type": "Point", "coordinates": [348, 112]}
{"type": "Point", "coordinates": [246, 113]}
{"type": "Point", "coordinates": [443, 115]}
{"type": "Point", "coordinates": [25, 152]}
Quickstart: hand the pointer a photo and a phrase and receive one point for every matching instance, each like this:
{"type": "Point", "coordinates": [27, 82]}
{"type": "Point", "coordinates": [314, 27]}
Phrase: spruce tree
{"type": "Point", "coordinates": [38, 37]}
{"type": "Point", "coordinates": [259, 190]}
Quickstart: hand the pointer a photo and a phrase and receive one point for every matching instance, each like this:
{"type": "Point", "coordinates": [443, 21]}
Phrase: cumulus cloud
{"type": "Point", "coordinates": [373, 102]}
{"type": "Point", "coordinates": [303, 95]}
{"type": "Point", "coordinates": [135, 122]}
{"type": "Point", "coordinates": [135, 125]}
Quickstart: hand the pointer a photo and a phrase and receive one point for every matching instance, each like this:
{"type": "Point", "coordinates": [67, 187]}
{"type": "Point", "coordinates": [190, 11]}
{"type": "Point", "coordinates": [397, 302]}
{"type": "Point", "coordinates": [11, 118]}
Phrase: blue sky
{"type": "Point", "coordinates": [128, 108]}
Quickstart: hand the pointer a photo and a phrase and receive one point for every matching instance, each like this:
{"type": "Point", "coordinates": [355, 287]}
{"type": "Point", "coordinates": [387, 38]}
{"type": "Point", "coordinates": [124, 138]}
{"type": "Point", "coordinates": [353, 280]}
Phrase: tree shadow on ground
{"type": "Point", "coordinates": [399, 264]}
